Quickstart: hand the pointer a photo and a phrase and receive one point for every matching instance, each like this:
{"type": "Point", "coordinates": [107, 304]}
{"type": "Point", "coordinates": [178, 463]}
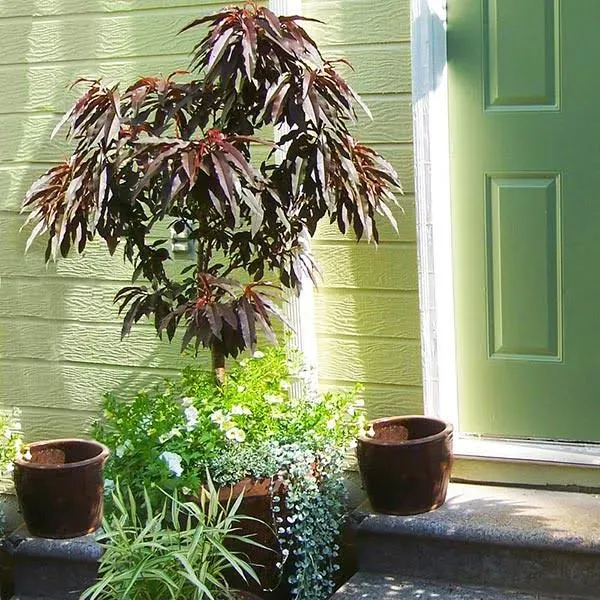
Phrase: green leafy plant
{"type": "Point", "coordinates": [176, 552]}
{"type": "Point", "coordinates": [189, 153]}
{"type": "Point", "coordinates": [11, 444]}
{"type": "Point", "coordinates": [251, 426]}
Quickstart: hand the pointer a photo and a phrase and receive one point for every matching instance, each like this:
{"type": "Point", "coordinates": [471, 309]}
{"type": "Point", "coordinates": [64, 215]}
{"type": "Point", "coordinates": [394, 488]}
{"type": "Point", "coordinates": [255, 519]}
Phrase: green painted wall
{"type": "Point", "coordinates": [59, 333]}
{"type": "Point", "coordinates": [367, 307]}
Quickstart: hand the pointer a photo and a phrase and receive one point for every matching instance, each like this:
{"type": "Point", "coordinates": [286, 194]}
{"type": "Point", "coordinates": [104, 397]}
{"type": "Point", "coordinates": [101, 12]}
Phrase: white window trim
{"type": "Point", "coordinates": [434, 239]}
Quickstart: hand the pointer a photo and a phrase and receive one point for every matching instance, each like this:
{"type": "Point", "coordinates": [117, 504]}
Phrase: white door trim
{"type": "Point", "coordinates": [432, 189]}
{"type": "Point", "coordinates": [434, 239]}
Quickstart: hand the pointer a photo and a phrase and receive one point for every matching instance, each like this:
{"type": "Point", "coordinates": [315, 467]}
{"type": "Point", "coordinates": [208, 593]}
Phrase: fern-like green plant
{"type": "Point", "coordinates": [177, 552]}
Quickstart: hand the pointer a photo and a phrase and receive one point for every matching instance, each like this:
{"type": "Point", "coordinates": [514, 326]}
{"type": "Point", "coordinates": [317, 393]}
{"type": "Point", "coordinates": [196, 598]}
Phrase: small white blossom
{"type": "Point", "coordinates": [331, 424]}
{"type": "Point", "coordinates": [191, 417]}
{"type": "Point", "coordinates": [173, 462]}
{"type": "Point", "coordinates": [284, 385]}
{"type": "Point", "coordinates": [241, 388]}
{"type": "Point", "coordinates": [27, 455]}
{"type": "Point", "coordinates": [165, 437]}
{"type": "Point", "coordinates": [235, 434]}
{"type": "Point", "coordinates": [218, 417]}
{"type": "Point", "coordinates": [351, 410]}
{"type": "Point", "coordinates": [186, 401]}
{"type": "Point", "coordinates": [240, 410]}
{"type": "Point", "coordinates": [258, 354]}
{"type": "Point", "coordinates": [353, 444]}
{"type": "Point", "coordinates": [120, 451]}
{"type": "Point", "coordinates": [371, 432]}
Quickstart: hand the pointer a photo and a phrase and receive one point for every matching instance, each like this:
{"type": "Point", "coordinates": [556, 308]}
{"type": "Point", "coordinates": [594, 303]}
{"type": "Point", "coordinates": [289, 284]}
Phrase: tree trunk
{"type": "Point", "coordinates": [218, 364]}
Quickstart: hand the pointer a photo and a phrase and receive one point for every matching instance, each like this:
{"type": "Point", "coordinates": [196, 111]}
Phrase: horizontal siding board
{"type": "Point", "coordinates": [126, 35]}
{"type": "Point", "coordinates": [404, 215]}
{"type": "Point", "coordinates": [377, 69]}
{"type": "Point", "coordinates": [389, 267]}
{"type": "Point", "coordinates": [27, 137]}
{"type": "Point", "coordinates": [42, 8]}
{"type": "Point", "coordinates": [50, 423]}
{"type": "Point", "coordinates": [392, 120]}
{"type": "Point", "coordinates": [367, 313]}
{"type": "Point", "coordinates": [40, 339]}
{"type": "Point", "coordinates": [358, 21]}
{"type": "Point", "coordinates": [370, 360]}
{"type": "Point", "coordinates": [42, 87]}
{"type": "Point", "coordinates": [383, 400]}
{"type": "Point", "coordinates": [76, 387]}
{"type": "Point", "coordinates": [60, 299]}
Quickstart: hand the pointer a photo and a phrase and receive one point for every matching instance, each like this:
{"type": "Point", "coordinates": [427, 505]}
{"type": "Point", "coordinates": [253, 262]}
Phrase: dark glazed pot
{"type": "Point", "coordinates": [60, 490]}
{"type": "Point", "coordinates": [405, 467]}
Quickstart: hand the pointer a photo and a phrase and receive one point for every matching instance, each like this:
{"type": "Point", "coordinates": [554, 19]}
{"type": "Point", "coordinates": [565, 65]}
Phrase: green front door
{"type": "Point", "coordinates": [524, 79]}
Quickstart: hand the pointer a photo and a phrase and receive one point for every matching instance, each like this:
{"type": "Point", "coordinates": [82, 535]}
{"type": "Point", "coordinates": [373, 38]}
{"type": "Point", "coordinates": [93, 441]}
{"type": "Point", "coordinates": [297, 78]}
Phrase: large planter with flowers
{"type": "Point", "coordinates": [405, 463]}
{"type": "Point", "coordinates": [59, 486]}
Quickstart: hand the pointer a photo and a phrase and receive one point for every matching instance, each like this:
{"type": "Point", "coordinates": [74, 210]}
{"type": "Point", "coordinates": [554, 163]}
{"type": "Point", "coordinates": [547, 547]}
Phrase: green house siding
{"type": "Point", "coordinates": [367, 315]}
{"type": "Point", "coordinates": [59, 332]}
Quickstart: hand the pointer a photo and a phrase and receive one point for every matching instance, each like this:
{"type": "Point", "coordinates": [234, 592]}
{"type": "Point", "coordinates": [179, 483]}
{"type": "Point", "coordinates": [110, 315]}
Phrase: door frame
{"type": "Point", "coordinates": [434, 244]}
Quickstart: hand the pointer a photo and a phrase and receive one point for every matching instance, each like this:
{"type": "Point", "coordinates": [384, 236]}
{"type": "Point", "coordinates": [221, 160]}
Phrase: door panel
{"type": "Point", "coordinates": [525, 167]}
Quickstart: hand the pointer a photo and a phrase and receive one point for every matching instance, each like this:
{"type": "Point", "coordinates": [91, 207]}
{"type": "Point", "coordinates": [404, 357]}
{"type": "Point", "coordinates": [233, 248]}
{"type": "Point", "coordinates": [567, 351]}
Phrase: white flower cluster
{"type": "Point", "coordinates": [226, 424]}
{"type": "Point", "coordinates": [173, 462]}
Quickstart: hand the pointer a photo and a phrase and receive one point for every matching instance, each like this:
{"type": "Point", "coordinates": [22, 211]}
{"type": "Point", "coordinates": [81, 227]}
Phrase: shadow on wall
{"type": "Point", "coordinates": [59, 332]}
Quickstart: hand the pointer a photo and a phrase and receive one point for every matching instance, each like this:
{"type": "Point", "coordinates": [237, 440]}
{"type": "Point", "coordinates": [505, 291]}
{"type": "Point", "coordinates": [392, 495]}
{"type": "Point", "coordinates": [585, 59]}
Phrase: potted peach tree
{"type": "Point", "coordinates": [192, 153]}
{"type": "Point", "coordinates": [244, 157]}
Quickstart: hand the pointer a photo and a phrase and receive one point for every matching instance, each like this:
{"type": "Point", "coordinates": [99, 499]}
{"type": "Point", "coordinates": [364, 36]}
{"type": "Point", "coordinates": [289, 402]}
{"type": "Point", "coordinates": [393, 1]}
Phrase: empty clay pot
{"type": "Point", "coordinates": [60, 489]}
{"type": "Point", "coordinates": [405, 466]}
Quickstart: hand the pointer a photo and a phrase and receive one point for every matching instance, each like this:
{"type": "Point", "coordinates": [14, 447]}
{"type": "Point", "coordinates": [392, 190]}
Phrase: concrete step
{"type": "Point", "coordinates": [374, 586]}
{"type": "Point", "coordinates": [534, 541]}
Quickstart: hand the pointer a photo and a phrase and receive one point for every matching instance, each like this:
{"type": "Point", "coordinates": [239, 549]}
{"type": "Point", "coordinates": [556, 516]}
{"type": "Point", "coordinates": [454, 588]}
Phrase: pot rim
{"type": "Point", "coordinates": [446, 432]}
{"type": "Point", "coordinates": [101, 456]}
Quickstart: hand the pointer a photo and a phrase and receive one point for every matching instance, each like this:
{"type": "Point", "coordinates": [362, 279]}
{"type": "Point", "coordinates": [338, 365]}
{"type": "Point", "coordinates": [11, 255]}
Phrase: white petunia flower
{"type": "Point", "coordinates": [27, 455]}
{"type": "Point", "coordinates": [191, 417]}
{"type": "Point", "coordinates": [371, 432]}
{"type": "Point", "coordinates": [235, 434]}
{"type": "Point", "coordinates": [218, 417]}
{"type": "Point", "coordinates": [258, 354]}
{"type": "Point", "coordinates": [241, 388]}
{"type": "Point", "coordinates": [240, 410]}
{"type": "Point", "coordinates": [173, 462]}
{"type": "Point", "coordinates": [351, 410]}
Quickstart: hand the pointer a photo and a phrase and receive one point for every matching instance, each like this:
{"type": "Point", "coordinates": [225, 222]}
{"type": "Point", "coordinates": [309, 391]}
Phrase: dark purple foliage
{"type": "Point", "coordinates": [182, 152]}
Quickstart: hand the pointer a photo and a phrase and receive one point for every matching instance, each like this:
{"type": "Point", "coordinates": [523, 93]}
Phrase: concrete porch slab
{"type": "Point", "coordinates": [370, 586]}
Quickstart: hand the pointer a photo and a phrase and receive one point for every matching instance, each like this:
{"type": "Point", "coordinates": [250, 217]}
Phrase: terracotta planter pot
{"type": "Point", "coordinates": [405, 467]}
{"type": "Point", "coordinates": [60, 490]}
{"type": "Point", "coordinates": [257, 503]}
